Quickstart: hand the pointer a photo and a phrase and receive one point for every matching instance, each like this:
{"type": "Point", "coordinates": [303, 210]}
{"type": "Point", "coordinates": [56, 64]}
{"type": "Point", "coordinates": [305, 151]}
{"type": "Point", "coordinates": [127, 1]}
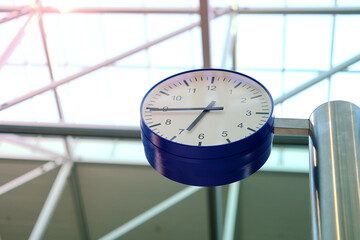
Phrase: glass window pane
{"type": "Point", "coordinates": [347, 38]}
{"type": "Point", "coordinates": [304, 103]}
{"type": "Point", "coordinates": [345, 86]}
{"type": "Point", "coordinates": [308, 41]}
{"type": "Point", "coordinates": [260, 41]}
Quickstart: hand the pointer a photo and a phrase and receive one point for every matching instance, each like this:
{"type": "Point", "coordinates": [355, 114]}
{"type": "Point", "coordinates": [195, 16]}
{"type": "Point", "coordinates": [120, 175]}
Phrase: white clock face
{"type": "Point", "coordinates": [206, 108]}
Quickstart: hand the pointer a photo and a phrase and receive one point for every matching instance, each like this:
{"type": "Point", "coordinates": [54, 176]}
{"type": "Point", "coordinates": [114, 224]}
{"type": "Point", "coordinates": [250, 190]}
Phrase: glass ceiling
{"type": "Point", "coordinates": [91, 62]}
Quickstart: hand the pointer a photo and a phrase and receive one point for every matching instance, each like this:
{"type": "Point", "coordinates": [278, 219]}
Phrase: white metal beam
{"type": "Point", "coordinates": [15, 14]}
{"type": "Point", "coordinates": [51, 202]}
{"type": "Point", "coordinates": [297, 10]}
{"type": "Point", "coordinates": [16, 40]}
{"type": "Point", "coordinates": [76, 194]}
{"type": "Point", "coordinates": [122, 10]}
{"type": "Point", "coordinates": [20, 141]}
{"type": "Point", "coordinates": [317, 79]}
{"type": "Point", "coordinates": [12, 8]}
{"type": "Point", "coordinates": [48, 59]}
{"type": "Point", "coordinates": [152, 212]}
{"type": "Point", "coordinates": [95, 67]}
{"type": "Point", "coordinates": [27, 177]}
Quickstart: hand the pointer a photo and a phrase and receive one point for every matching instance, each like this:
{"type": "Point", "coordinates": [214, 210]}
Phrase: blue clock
{"type": "Point", "coordinates": [207, 127]}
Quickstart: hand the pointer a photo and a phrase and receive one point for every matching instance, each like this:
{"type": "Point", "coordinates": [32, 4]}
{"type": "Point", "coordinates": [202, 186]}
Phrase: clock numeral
{"type": "Point", "coordinates": [248, 113]}
{"type": "Point", "coordinates": [211, 88]}
{"type": "Point", "coordinates": [177, 98]}
{"type": "Point", "coordinates": [240, 125]}
{"type": "Point", "coordinates": [192, 90]}
{"type": "Point", "coordinates": [243, 100]}
{"type": "Point", "coordinates": [224, 133]}
{"type": "Point", "coordinates": [181, 130]}
{"type": "Point", "coordinates": [201, 136]}
{"type": "Point", "coordinates": [168, 121]}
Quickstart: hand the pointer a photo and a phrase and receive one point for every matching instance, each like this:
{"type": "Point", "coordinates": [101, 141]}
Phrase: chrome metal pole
{"type": "Point", "coordinates": [334, 171]}
{"type": "Point", "coordinates": [215, 212]}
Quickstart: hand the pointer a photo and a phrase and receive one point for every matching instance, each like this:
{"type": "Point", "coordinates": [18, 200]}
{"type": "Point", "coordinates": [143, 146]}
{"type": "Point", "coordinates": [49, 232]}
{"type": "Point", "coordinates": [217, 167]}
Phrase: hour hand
{"type": "Point", "coordinates": [202, 114]}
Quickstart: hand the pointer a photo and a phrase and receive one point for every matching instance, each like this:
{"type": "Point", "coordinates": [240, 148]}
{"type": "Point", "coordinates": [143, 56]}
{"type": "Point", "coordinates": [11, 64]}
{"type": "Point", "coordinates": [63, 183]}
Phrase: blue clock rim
{"type": "Point", "coordinates": [213, 151]}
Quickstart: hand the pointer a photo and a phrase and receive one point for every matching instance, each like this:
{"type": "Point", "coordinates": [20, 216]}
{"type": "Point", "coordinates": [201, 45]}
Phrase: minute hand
{"type": "Point", "coordinates": [202, 114]}
{"type": "Point", "coordinates": [184, 109]}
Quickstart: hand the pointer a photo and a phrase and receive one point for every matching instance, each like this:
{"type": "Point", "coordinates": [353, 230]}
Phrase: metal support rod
{"type": "Point", "coordinates": [6, 54]}
{"type": "Point", "coordinates": [95, 67]}
{"type": "Point", "coordinates": [234, 188]}
{"type": "Point", "coordinates": [205, 32]}
{"type": "Point", "coordinates": [289, 10]}
{"type": "Point", "coordinates": [12, 157]}
{"type": "Point", "coordinates": [76, 194]}
{"type": "Point", "coordinates": [27, 177]}
{"type": "Point", "coordinates": [22, 142]}
{"type": "Point", "coordinates": [231, 211]}
{"type": "Point", "coordinates": [215, 212]}
{"type": "Point", "coordinates": [13, 8]}
{"type": "Point", "coordinates": [14, 15]}
{"type": "Point", "coordinates": [152, 212]}
{"type": "Point", "coordinates": [317, 79]}
{"type": "Point", "coordinates": [334, 171]}
{"type": "Point", "coordinates": [51, 202]}
{"type": "Point", "coordinates": [290, 126]}
{"type": "Point", "coordinates": [63, 129]}
{"type": "Point", "coordinates": [214, 193]}
{"type": "Point", "coordinates": [285, 126]}
{"type": "Point", "coordinates": [230, 43]}
{"type": "Point", "coordinates": [48, 59]}
{"type": "Point", "coordinates": [270, 10]}
{"type": "Point", "coordinates": [123, 10]}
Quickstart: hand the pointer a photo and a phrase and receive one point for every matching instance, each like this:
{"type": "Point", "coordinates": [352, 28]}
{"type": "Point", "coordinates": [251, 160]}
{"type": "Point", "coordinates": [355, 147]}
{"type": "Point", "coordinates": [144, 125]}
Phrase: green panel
{"type": "Point", "coordinates": [274, 206]}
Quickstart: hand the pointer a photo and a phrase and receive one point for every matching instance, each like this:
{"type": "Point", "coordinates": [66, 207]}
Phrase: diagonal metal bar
{"type": "Point", "coordinates": [20, 141]}
{"type": "Point", "coordinates": [12, 8]}
{"type": "Point", "coordinates": [8, 51]}
{"type": "Point", "coordinates": [48, 60]}
{"type": "Point", "coordinates": [15, 14]}
{"type": "Point", "coordinates": [95, 67]}
{"type": "Point", "coordinates": [152, 212]}
{"type": "Point", "coordinates": [27, 177]}
{"type": "Point", "coordinates": [51, 202]}
{"type": "Point", "coordinates": [74, 182]}
{"type": "Point", "coordinates": [317, 79]}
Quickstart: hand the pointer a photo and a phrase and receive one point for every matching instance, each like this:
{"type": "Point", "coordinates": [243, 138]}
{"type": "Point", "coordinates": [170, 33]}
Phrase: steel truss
{"type": "Point", "coordinates": [67, 163]}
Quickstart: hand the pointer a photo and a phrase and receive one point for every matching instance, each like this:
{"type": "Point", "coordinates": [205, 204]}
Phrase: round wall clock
{"type": "Point", "coordinates": [207, 127]}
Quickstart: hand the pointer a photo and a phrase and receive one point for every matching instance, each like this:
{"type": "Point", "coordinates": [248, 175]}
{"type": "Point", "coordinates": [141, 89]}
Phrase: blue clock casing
{"type": "Point", "coordinates": [208, 165]}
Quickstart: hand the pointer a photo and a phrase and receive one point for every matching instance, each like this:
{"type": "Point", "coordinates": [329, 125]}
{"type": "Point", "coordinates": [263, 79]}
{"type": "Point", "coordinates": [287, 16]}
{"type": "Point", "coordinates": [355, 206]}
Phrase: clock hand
{"type": "Point", "coordinates": [183, 109]}
{"type": "Point", "coordinates": [202, 114]}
